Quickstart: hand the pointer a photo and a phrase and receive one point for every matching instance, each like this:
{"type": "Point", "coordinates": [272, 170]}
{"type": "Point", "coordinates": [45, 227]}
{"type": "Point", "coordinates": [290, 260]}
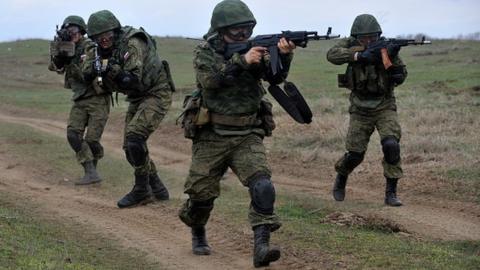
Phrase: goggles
{"type": "Point", "coordinates": [240, 32]}
{"type": "Point", "coordinates": [366, 39]}
{"type": "Point", "coordinates": [106, 37]}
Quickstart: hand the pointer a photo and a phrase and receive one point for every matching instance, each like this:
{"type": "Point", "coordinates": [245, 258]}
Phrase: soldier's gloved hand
{"type": "Point", "coordinates": [397, 75]}
{"type": "Point", "coordinates": [61, 61]}
{"type": "Point", "coordinates": [368, 56]}
{"type": "Point", "coordinates": [393, 50]}
{"type": "Point", "coordinates": [113, 70]}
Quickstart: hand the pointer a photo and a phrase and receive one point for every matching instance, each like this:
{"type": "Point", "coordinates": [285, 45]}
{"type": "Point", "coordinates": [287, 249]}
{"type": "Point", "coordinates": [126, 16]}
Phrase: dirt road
{"type": "Point", "coordinates": [156, 230]}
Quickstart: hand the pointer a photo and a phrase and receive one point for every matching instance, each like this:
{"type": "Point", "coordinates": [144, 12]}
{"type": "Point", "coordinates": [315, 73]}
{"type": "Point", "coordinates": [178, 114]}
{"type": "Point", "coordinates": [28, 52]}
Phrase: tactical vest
{"type": "Point", "coordinates": [370, 84]}
{"type": "Point", "coordinates": [152, 66]}
{"type": "Point", "coordinates": [73, 73]}
{"type": "Point", "coordinates": [239, 98]}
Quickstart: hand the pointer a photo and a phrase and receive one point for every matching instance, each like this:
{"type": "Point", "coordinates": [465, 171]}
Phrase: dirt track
{"type": "Point", "coordinates": [443, 220]}
{"type": "Point", "coordinates": [156, 230]}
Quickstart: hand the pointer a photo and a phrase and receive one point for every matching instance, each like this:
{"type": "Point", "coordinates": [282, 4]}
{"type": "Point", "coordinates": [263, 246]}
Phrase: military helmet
{"type": "Point", "coordinates": [231, 12]}
{"type": "Point", "coordinates": [75, 20]}
{"type": "Point", "coordinates": [101, 22]}
{"type": "Point", "coordinates": [365, 24]}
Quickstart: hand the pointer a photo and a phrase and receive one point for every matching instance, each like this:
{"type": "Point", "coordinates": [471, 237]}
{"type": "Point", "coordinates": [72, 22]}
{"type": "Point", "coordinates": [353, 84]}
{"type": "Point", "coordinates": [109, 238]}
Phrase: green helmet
{"type": "Point", "coordinates": [365, 24]}
{"type": "Point", "coordinates": [230, 12]}
{"type": "Point", "coordinates": [102, 21]}
{"type": "Point", "coordinates": [75, 20]}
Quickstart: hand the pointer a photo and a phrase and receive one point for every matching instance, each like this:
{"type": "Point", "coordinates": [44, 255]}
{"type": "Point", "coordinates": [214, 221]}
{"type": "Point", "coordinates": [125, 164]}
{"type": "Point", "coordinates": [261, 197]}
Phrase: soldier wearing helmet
{"type": "Point", "coordinates": [372, 104]}
{"type": "Point", "coordinates": [130, 65]}
{"type": "Point", "coordinates": [90, 109]}
{"type": "Point", "coordinates": [234, 123]}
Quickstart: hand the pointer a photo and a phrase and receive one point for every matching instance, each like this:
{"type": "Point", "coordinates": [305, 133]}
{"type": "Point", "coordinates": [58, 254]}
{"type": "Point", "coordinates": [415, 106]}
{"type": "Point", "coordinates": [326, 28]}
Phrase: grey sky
{"type": "Point", "coordinates": [438, 18]}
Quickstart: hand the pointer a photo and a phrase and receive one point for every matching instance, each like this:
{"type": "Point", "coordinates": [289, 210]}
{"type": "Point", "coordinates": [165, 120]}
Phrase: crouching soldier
{"type": "Point", "coordinates": [130, 65]}
{"type": "Point", "coordinates": [90, 108]}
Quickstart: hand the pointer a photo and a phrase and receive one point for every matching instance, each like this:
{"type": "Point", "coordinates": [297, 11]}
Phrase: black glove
{"type": "Point", "coordinates": [61, 61]}
{"type": "Point", "coordinates": [368, 56]}
{"type": "Point", "coordinates": [397, 75]}
{"type": "Point", "coordinates": [393, 50]}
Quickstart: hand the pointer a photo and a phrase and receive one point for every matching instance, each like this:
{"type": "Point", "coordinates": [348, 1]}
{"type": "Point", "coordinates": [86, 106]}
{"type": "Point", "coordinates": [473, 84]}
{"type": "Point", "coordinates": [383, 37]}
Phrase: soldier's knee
{"type": "Point", "coordinates": [96, 148]}
{"type": "Point", "coordinates": [195, 213]}
{"type": "Point", "coordinates": [353, 159]}
{"type": "Point", "coordinates": [262, 195]}
{"type": "Point", "coordinates": [391, 150]}
{"type": "Point", "coordinates": [75, 139]}
{"type": "Point", "coordinates": [136, 150]}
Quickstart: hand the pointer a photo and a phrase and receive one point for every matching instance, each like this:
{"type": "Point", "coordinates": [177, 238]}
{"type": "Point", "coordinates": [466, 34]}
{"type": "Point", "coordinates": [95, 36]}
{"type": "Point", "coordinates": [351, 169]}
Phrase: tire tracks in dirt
{"type": "Point", "coordinates": [430, 217]}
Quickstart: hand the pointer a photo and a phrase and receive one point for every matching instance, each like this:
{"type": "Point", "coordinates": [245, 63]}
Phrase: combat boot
{"type": "Point", "coordinates": [91, 176]}
{"type": "Point", "coordinates": [391, 193]}
{"type": "Point", "coordinates": [262, 253]}
{"type": "Point", "coordinates": [139, 194]}
{"type": "Point", "coordinates": [339, 187]}
{"type": "Point", "coordinates": [159, 190]}
{"type": "Point", "coordinates": [199, 241]}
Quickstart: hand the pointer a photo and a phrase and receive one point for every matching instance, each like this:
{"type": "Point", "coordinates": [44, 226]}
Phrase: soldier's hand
{"type": "Point", "coordinates": [254, 55]}
{"type": "Point", "coordinates": [368, 56]}
{"type": "Point", "coordinates": [285, 46]}
{"type": "Point", "coordinates": [113, 70]}
{"type": "Point", "coordinates": [393, 50]}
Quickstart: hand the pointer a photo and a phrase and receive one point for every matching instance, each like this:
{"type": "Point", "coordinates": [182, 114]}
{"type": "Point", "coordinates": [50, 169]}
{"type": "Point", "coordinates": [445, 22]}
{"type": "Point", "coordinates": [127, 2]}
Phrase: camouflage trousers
{"type": "Point", "coordinates": [212, 155]}
{"type": "Point", "coordinates": [91, 114]}
{"type": "Point", "coordinates": [361, 128]}
{"type": "Point", "coordinates": [142, 119]}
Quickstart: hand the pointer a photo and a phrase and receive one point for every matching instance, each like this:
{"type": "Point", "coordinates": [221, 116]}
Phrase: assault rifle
{"type": "Point", "coordinates": [299, 38]}
{"type": "Point", "coordinates": [97, 65]}
{"type": "Point", "coordinates": [380, 47]}
{"type": "Point", "coordinates": [62, 44]}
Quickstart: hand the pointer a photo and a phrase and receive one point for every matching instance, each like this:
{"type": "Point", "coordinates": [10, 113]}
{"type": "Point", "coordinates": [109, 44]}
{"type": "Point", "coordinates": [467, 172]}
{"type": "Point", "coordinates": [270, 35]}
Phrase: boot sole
{"type": "Point", "coordinates": [88, 183]}
{"type": "Point", "coordinates": [272, 256]}
{"type": "Point", "coordinates": [142, 202]}
{"type": "Point", "coordinates": [202, 252]}
{"type": "Point", "coordinates": [338, 198]}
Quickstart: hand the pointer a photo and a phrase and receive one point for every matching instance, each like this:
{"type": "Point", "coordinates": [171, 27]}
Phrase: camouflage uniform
{"type": "Point", "coordinates": [90, 109]}
{"type": "Point", "coordinates": [232, 93]}
{"type": "Point", "coordinates": [136, 70]}
{"type": "Point", "coordinates": [372, 101]}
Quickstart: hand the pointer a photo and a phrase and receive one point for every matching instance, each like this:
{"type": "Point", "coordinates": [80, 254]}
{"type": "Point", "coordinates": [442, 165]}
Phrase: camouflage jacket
{"type": "Point", "coordinates": [135, 52]}
{"type": "Point", "coordinates": [73, 72]}
{"type": "Point", "coordinates": [232, 87]}
{"type": "Point", "coordinates": [371, 85]}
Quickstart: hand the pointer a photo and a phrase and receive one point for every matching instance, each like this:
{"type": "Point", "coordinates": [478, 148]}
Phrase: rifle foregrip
{"type": "Point", "coordinates": [385, 59]}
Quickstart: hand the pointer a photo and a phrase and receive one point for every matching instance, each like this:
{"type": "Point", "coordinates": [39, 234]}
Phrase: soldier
{"type": "Point", "coordinates": [372, 104]}
{"type": "Point", "coordinates": [133, 68]}
{"type": "Point", "coordinates": [90, 108]}
{"type": "Point", "coordinates": [231, 135]}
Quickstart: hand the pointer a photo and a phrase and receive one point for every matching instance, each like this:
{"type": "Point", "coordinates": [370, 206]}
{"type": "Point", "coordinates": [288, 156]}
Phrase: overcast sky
{"type": "Point", "coordinates": [438, 18]}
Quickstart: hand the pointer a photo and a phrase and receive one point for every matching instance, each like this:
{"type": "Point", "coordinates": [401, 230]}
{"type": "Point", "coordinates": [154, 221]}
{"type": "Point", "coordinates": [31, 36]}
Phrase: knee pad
{"type": "Point", "coordinates": [195, 213]}
{"type": "Point", "coordinates": [262, 195]}
{"type": "Point", "coordinates": [353, 159]}
{"type": "Point", "coordinates": [136, 150]}
{"type": "Point", "coordinates": [75, 140]}
{"type": "Point", "coordinates": [391, 150]}
{"type": "Point", "coordinates": [96, 148]}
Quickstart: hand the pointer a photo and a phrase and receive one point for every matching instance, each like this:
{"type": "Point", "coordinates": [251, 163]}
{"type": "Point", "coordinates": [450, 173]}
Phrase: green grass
{"type": "Point", "coordinates": [29, 242]}
{"type": "Point", "coordinates": [369, 246]}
